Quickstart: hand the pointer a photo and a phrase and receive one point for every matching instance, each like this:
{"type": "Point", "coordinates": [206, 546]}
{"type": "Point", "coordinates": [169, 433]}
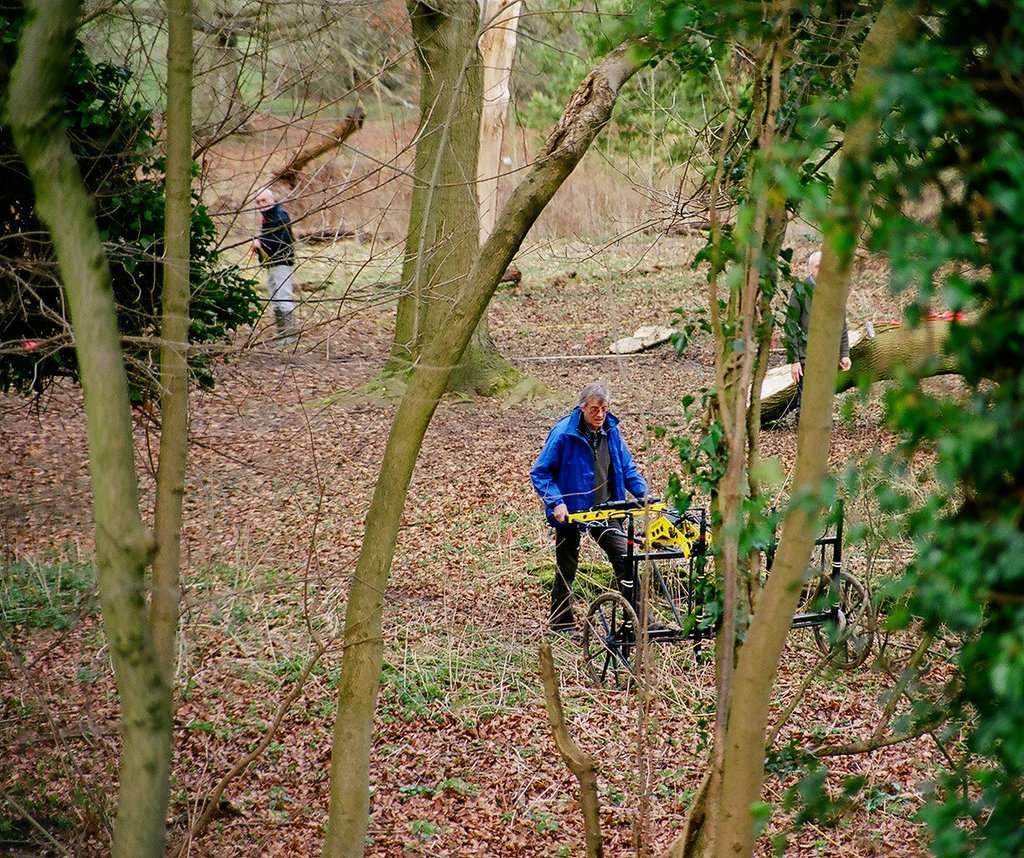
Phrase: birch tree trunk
{"type": "Point", "coordinates": [499, 19]}
{"type": "Point", "coordinates": [588, 112]}
{"type": "Point", "coordinates": [123, 544]}
{"type": "Point", "coordinates": [497, 52]}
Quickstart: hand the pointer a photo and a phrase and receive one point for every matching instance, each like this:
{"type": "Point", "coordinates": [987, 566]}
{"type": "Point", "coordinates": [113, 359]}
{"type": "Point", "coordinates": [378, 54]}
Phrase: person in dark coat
{"type": "Point", "coordinates": [276, 250]}
{"type": "Point", "coordinates": [798, 321]}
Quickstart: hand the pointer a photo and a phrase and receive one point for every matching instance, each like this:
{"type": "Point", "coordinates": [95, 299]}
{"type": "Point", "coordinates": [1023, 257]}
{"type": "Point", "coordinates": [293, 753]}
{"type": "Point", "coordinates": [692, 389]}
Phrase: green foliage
{"type": "Point", "coordinates": [961, 141]}
{"type": "Point", "coordinates": [38, 596]}
{"type": "Point", "coordinates": [953, 140]}
{"type": "Point", "coordinates": [114, 142]}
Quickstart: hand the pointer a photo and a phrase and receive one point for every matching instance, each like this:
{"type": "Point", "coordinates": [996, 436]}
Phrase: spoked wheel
{"type": "Point", "coordinates": [609, 641]}
{"type": "Point", "coordinates": [849, 639]}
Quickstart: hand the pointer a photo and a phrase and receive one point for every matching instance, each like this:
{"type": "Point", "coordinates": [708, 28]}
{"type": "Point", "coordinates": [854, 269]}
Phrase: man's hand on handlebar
{"type": "Point", "coordinates": [560, 512]}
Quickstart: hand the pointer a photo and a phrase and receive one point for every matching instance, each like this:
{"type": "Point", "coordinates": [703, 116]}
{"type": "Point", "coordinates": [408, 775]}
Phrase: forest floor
{"type": "Point", "coordinates": [282, 464]}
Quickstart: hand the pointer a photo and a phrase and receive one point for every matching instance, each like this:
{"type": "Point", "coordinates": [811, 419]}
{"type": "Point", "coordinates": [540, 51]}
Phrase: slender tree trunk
{"type": "Point", "coordinates": [735, 374]}
{"type": "Point", "coordinates": [170, 476]}
{"type": "Point", "coordinates": [483, 366]}
{"type": "Point", "coordinates": [123, 544]}
{"type": "Point", "coordinates": [701, 820]}
{"type": "Point", "coordinates": [498, 50]}
{"type": "Point", "coordinates": [588, 112]}
{"type": "Point", "coordinates": [757, 666]}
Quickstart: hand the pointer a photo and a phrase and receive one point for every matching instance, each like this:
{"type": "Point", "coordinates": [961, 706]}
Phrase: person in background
{"type": "Point", "coordinates": [585, 462]}
{"type": "Point", "coordinates": [798, 321]}
{"type": "Point", "coordinates": [276, 250]}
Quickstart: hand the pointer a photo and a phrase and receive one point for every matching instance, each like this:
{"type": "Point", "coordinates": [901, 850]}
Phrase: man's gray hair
{"type": "Point", "coordinates": [596, 390]}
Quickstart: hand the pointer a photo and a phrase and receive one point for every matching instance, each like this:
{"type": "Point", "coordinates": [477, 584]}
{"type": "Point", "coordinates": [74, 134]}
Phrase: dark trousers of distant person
{"type": "Point", "coordinates": [612, 541]}
{"type": "Point", "coordinates": [795, 407]}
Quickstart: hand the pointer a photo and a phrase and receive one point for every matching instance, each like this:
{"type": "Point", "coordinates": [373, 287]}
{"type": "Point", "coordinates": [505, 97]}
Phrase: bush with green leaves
{"type": "Point", "coordinates": [957, 94]}
{"type": "Point", "coordinates": [114, 142]}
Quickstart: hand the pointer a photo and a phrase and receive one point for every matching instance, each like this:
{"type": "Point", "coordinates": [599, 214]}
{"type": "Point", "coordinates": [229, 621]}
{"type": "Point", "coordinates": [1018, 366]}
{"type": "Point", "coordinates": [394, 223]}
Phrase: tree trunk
{"type": "Point", "coordinates": [219, 107]}
{"type": "Point", "coordinates": [743, 772]}
{"type": "Point", "coordinates": [123, 544]}
{"type": "Point", "coordinates": [484, 369]}
{"type": "Point", "coordinates": [497, 51]}
{"type": "Point", "coordinates": [737, 370]}
{"type": "Point", "coordinates": [443, 237]}
{"type": "Point", "coordinates": [444, 218]}
{"type": "Point", "coordinates": [170, 475]}
{"type": "Point", "coordinates": [588, 112]}
{"type": "Point", "coordinates": [917, 349]}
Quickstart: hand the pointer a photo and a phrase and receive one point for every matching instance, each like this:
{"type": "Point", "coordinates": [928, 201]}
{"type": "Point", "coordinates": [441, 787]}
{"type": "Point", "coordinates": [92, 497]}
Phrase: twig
{"type": "Point", "coordinates": [873, 744]}
{"type": "Point", "coordinates": [35, 823]}
{"type": "Point", "coordinates": [580, 763]}
{"type": "Point", "coordinates": [212, 805]}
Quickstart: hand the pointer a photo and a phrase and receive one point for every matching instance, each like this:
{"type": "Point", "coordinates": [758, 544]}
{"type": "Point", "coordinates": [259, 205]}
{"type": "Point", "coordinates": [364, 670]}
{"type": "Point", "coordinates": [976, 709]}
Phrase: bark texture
{"type": "Point", "coordinates": [170, 475]}
{"type": "Point", "coordinates": [498, 42]}
{"type": "Point", "coordinates": [444, 222]}
{"type": "Point", "coordinates": [123, 544]}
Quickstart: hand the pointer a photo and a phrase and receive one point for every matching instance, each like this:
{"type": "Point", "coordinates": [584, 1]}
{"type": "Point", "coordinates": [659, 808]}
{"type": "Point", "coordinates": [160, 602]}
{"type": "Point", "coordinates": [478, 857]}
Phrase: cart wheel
{"type": "Point", "coordinates": [850, 639]}
{"type": "Point", "coordinates": [609, 641]}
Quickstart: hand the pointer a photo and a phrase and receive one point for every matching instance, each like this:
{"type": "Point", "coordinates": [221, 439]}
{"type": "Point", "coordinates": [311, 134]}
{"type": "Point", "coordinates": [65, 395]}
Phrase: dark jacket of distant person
{"type": "Point", "coordinates": [277, 245]}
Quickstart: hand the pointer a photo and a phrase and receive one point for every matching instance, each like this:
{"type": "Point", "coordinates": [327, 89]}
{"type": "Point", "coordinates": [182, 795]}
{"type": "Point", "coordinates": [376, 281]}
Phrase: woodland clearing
{"type": "Point", "coordinates": [282, 463]}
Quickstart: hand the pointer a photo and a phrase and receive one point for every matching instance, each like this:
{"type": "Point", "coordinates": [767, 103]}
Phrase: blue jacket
{"type": "Point", "coordinates": [564, 472]}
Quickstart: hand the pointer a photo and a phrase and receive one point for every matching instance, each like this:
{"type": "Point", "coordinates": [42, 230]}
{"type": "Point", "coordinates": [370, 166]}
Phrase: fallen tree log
{"type": "Point", "coordinates": [289, 174]}
{"type": "Point", "coordinates": [642, 339]}
{"type": "Point", "coordinates": [876, 352]}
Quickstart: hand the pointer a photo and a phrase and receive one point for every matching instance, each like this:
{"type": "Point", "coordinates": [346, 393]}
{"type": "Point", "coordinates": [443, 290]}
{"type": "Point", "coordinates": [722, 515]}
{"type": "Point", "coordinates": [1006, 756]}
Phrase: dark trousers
{"type": "Point", "coordinates": [567, 559]}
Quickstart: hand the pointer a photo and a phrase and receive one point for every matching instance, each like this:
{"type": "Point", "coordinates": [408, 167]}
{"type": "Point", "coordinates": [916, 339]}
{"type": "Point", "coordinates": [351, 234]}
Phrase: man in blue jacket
{"type": "Point", "coordinates": [585, 462]}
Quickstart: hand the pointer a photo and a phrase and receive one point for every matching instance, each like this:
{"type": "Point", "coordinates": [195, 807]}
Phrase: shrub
{"type": "Point", "coordinates": [113, 140]}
